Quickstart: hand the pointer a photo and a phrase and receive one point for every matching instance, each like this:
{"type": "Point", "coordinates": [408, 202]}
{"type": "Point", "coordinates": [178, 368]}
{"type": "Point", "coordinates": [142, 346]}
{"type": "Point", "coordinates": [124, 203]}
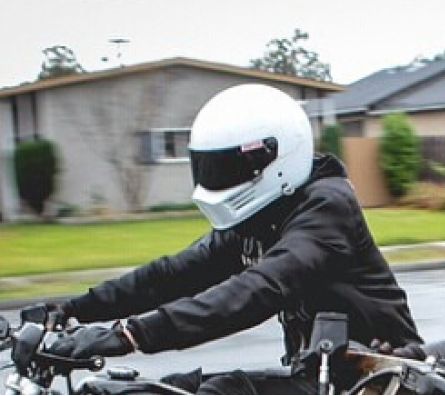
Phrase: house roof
{"type": "Point", "coordinates": [178, 61]}
{"type": "Point", "coordinates": [368, 92]}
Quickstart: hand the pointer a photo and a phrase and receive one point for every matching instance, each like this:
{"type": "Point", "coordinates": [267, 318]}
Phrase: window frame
{"type": "Point", "coordinates": [166, 160]}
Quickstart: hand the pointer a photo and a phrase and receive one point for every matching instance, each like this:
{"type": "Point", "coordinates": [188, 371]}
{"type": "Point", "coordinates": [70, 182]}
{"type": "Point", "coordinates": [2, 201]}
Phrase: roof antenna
{"type": "Point", "coordinates": [118, 42]}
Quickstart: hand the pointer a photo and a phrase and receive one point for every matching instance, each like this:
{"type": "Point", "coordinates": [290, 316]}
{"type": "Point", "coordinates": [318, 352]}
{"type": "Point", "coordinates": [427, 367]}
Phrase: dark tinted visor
{"type": "Point", "coordinates": [222, 169]}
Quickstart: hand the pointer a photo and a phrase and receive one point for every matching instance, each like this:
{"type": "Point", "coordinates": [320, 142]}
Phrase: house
{"type": "Point", "coordinates": [122, 134]}
{"type": "Point", "coordinates": [417, 89]}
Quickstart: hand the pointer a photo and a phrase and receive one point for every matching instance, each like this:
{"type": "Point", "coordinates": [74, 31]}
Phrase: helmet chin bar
{"type": "Point", "coordinates": [226, 209]}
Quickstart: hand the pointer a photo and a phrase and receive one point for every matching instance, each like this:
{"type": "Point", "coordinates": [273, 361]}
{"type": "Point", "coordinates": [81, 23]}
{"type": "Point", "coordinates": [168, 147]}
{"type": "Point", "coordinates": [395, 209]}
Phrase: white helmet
{"type": "Point", "coordinates": [250, 144]}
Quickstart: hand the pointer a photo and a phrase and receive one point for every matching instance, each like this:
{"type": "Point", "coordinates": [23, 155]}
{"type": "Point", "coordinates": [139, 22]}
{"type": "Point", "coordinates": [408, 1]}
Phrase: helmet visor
{"type": "Point", "coordinates": [226, 168]}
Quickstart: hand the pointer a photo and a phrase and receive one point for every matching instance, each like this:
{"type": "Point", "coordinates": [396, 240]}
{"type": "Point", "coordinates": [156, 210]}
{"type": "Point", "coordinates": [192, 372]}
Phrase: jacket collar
{"type": "Point", "coordinates": [268, 222]}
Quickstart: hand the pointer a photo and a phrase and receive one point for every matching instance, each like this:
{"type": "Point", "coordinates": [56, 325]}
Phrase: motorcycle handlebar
{"type": "Point", "coordinates": [64, 365]}
{"type": "Point", "coordinates": [31, 331]}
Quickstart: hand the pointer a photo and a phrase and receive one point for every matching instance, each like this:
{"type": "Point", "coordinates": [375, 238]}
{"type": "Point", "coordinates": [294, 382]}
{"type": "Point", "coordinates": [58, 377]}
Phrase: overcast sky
{"type": "Point", "coordinates": [357, 37]}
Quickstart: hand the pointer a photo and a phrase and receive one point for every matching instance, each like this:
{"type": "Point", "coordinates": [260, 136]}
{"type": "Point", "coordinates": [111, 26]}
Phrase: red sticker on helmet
{"type": "Point", "coordinates": [252, 146]}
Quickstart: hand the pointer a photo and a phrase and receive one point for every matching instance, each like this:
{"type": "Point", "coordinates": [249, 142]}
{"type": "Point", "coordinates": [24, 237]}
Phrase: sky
{"type": "Point", "coordinates": [356, 37]}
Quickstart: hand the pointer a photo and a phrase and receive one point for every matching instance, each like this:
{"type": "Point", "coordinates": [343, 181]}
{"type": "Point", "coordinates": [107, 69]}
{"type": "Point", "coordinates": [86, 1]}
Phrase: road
{"type": "Point", "coordinates": [262, 346]}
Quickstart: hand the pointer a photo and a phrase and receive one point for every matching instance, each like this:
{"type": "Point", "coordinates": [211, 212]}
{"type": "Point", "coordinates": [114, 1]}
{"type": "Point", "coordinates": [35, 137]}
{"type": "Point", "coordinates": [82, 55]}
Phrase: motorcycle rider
{"type": "Point", "coordinates": [288, 237]}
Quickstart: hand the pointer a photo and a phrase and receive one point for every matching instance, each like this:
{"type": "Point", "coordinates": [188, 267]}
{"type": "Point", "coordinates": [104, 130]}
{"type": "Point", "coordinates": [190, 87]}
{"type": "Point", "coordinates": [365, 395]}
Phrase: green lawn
{"type": "Point", "coordinates": [405, 226]}
{"type": "Point", "coordinates": [61, 287]}
{"type": "Point", "coordinates": [30, 249]}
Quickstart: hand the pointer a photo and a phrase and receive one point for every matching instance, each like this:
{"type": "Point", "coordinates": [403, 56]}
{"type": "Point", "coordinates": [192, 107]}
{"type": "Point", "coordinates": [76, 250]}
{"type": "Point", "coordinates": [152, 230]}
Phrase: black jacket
{"type": "Point", "coordinates": [308, 252]}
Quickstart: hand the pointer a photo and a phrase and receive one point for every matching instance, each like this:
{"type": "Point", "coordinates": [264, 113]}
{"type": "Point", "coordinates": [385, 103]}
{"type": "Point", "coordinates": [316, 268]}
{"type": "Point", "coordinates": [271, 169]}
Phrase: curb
{"type": "Point", "coordinates": [419, 266]}
{"type": "Point", "coordinates": [16, 304]}
{"type": "Point", "coordinates": [404, 267]}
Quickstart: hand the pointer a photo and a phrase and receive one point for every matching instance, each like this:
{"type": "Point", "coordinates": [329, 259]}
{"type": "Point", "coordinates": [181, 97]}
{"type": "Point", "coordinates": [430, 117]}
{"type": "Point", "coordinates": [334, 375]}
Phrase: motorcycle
{"type": "Point", "coordinates": [331, 361]}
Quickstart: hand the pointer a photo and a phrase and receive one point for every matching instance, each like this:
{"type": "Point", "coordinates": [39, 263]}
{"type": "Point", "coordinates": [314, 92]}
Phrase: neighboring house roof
{"type": "Point", "coordinates": [179, 61]}
{"type": "Point", "coordinates": [376, 91]}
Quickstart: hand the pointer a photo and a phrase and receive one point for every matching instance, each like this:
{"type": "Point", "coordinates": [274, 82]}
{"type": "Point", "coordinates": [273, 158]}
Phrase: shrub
{"type": "Point", "coordinates": [35, 165]}
{"type": "Point", "coordinates": [400, 157]}
{"type": "Point", "coordinates": [330, 141]}
{"type": "Point", "coordinates": [67, 210]}
{"type": "Point", "coordinates": [425, 195]}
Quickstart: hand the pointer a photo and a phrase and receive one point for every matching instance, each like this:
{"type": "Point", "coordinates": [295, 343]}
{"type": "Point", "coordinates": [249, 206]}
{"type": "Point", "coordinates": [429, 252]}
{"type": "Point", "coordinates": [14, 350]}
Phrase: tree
{"type": "Point", "coordinates": [424, 60]}
{"type": "Point", "coordinates": [287, 56]}
{"type": "Point", "coordinates": [420, 61]}
{"type": "Point", "coordinates": [400, 156]}
{"type": "Point", "coordinates": [330, 141]}
{"type": "Point", "coordinates": [36, 166]}
{"type": "Point", "coordinates": [59, 61]}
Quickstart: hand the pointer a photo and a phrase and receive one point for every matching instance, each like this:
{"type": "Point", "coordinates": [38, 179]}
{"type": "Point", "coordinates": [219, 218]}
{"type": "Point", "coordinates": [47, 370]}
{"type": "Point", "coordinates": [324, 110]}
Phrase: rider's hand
{"type": "Point", "coordinates": [378, 346]}
{"type": "Point", "coordinates": [85, 342]}
{"type": "Point", "coordinates": [409, 351]}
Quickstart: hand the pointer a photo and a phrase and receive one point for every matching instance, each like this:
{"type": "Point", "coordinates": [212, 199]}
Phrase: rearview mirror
{"type": "Point", "coordinates": [34, 313]}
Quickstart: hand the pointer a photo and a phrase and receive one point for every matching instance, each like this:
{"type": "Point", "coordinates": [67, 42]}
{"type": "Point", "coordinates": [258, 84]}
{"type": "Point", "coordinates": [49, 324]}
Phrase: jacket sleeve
{"type": "Point", "coordinates": [203, 264]}
{"type": "Point", "coordinates": [315, 245]}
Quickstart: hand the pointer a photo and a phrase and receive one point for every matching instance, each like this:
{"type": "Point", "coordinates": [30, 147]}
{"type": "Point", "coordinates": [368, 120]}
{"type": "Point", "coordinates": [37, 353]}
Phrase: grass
{"type": "Point", "coordinates": [405, 226]}
{"type": "Point", "coordinates": [32, 249]}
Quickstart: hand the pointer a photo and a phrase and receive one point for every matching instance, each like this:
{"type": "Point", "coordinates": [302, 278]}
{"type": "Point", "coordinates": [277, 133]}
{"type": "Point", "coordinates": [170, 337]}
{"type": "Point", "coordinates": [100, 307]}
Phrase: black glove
{"type": "Point", "coordinates": [378, 346]}
{"type": "Point", "coordinates": [85, 342]}
{"type": "Point", "coordinates": [409, 351]}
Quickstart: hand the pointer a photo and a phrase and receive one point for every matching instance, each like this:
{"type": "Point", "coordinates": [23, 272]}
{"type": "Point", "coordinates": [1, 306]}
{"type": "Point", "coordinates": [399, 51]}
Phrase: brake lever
{"type": "Point", "coordinates": [64, 365]}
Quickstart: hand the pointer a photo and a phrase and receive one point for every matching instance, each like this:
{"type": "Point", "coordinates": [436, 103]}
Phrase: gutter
{"type": "Point", "coordinates": [407, 109]}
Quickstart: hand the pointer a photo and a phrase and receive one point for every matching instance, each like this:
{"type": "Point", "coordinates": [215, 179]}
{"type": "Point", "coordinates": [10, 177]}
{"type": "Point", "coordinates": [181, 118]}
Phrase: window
{"type": "Point", "coordinates": [24, 113]}
{"type": "Point", "coordinates": [163, 145]}
{"type": "Point", "coordinates": [352, 128]}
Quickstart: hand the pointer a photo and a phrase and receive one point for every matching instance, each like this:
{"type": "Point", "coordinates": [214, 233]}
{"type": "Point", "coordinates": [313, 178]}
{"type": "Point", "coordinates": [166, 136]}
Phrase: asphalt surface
{"type": "Point", "coordinates": [261, 347]}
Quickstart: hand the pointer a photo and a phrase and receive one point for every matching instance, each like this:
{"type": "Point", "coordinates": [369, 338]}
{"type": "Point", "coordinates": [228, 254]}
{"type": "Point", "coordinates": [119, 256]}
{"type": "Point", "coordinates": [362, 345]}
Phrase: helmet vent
{"type": "Point", "coordinates": [241, 199]}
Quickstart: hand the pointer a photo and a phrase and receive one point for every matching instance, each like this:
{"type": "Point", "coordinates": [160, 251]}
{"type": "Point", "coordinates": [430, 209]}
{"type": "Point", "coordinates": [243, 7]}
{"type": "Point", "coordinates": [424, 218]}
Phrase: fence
{"type": "Point", "coordinates": [361, 158]}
